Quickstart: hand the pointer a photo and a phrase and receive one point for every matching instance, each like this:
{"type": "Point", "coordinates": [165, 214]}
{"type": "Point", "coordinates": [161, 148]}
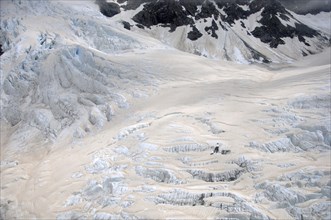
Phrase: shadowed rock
{"type": "Point", "coordinates": [1, 51]}
{"type": "Point", "coordinates": [213, 28]}
{"type": "Point", "coordinates": [169, 13]}
{"type": "Point", "coordinates": [208, 10]}
{"type": "Point", "coordinates": [126, 25]}
{"type": "Point", "coordinates": [108, 9]}
{"type": "Point", "coordinates": [273, 30]}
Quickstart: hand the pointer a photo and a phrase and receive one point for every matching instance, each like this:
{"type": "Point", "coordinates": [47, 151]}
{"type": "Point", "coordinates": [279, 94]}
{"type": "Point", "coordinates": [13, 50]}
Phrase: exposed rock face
{"type": "Point", "coordinates": [273, 30]}
{"type": "Point", "coordinates": [126, 25]}
{"type": "Point", "coordinates": [191, 6]}
{"type": "Point", "coordinates": [233, 10]}
{"type": "Point", "coordinates": [1, 51]}
{"type": "Point", "coordinates": [108, 9]}
{"type": "Point", "coordinates": [213, 28]}
{"type": "Point", "coordinates": [194, 34]}
{"type": "Point", "coordinates": [178, 13]}
{"type": "Point", "coordinates": [218, 21]}
{"type": "Point", "coordinates": [168, 13]}
{"type": "Point", "coordinates": [208, 10]}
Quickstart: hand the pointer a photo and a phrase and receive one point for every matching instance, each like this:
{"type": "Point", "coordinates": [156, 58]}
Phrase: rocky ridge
{"type": "Point", "coordinates": [222, 20]}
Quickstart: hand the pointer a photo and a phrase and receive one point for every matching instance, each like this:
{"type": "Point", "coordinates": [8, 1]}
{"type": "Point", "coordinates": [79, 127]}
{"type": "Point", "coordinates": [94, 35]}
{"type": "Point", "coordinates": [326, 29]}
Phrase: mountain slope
{"type": "Point", "coordinates": [211, 28]}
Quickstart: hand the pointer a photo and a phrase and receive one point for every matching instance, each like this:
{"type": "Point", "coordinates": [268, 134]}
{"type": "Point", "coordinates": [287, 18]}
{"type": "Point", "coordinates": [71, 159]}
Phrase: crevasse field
{"type": "Point", "coordinates": [98, 122]}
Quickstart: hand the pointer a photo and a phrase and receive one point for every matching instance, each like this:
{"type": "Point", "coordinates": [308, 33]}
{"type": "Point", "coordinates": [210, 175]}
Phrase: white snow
{"type": "Point", "coordinates": [77, 143]}
{"type": "Point", "coordinates": [238, 57]}
{"type": "Point", "coordinates": [244, 7]}
{"type": "Point", "coordinates": [320, 21]}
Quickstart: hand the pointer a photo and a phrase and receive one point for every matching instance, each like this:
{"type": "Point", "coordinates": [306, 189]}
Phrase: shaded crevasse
{"type": "Point", "coordinates": [216, 177]}
{"type": "Point", "coordinates": [281, 145]}
{"type": "Point", "coordinates": [184, 198]}
{"type": "Point", "coordinates": [293, 189]}
{"type": "Point", "coordinates": [159, 175]}
{"type": "Point", "coordinates": [188, 148]}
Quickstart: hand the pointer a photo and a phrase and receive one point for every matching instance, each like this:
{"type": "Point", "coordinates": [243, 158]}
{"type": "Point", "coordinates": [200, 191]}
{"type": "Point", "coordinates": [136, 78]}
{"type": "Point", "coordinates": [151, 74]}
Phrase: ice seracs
{"type": "Point", "coordinates": [102, 122]}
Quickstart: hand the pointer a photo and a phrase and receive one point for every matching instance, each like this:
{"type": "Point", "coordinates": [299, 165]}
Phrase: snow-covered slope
{"type": "Point", "coordinates": [243, 31]}
{"type": "Point", "coordinates": [101, 122]}
{"type": "Point", "coordinates": [55, 76]}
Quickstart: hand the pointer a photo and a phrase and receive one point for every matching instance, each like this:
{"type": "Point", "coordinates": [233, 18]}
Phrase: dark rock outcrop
{"type": "Point", "coordinates": [1, 51]}
{"type": "Point", "coordinates": [276, 23]}
{"type": "Point", "coordinates": [208, 10]}
{"type": "Point", "coordinates": [213, 28]}
{"type": "Point", "coordinates": [191, 6]}
{"type": "Point", "coordinates": [108, 9]}
{"type": "Point", "coordinates": [126, 25]}
{"type": "Point", "coordinates": [171, 13]}
{"type": "Point", "coordinates": [273, 30]}
{"type": "Point", "coordinates": [194, 34]}
{"type": "Point", "coordinates": [168, 13]}
{"type": "Point", "coordinates": [233, 11]}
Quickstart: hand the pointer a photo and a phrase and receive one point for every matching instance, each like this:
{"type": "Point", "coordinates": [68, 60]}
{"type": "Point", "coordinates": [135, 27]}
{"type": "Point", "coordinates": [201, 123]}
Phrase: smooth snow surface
{"type": "Point", "coordinates": [98, 122]}
{"type": "Point", "coordinates": [320, 21]}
